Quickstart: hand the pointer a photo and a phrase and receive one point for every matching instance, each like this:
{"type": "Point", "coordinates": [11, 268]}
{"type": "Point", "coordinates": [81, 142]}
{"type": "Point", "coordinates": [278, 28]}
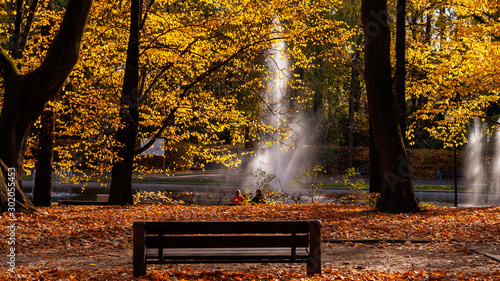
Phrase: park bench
{"type": "Point", "coordinates": [227, 242]}
{"type": "Point", "coordinates": [362, 171]}
{"type": "Point", "coordinates": [448, 173]}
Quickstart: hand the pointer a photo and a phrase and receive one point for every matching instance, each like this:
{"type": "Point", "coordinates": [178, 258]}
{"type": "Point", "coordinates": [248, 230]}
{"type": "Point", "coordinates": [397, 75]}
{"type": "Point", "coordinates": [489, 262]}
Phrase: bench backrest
{"type": "Point", "coordinates": [226, 227]}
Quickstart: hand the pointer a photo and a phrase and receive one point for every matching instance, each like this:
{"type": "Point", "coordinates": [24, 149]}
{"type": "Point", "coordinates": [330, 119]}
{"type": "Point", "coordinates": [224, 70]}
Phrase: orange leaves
{"type": "Point", "coordinates": [77, 224]}
{"type": "Point", "coordinates": [90, 231]}
{"type": "Point", "coordinates": [188, 273]}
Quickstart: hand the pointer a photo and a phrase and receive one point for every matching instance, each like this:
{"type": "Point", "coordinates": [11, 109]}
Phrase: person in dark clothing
{"type": "Point", "coordinates": [258, 198]}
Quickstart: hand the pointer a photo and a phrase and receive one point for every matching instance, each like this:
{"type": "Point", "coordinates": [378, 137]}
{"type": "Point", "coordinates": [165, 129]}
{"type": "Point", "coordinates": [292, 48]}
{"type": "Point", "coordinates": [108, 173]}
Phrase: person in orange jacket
{"type": "Point", "coordinates": [238, 198]}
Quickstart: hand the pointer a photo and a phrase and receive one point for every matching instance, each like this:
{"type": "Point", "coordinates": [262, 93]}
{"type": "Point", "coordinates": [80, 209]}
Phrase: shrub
{"type": "Point", "coordinates": [307, 180]}
{"type": "Point", "coordinates": [262, 181]}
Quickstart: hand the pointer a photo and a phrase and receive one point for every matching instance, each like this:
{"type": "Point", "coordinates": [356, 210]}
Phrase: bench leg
{"type": "Point", "coordinates": [314, 264]}
{"type": "Point", "coordinates": [139, 254]}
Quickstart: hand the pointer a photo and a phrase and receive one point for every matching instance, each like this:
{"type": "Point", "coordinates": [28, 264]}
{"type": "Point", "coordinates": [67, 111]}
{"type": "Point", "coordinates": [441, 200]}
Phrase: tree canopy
{"type": "Point", "coordinates": [202, 74]}
{"type": "Point", "coordinates": [453, 51]}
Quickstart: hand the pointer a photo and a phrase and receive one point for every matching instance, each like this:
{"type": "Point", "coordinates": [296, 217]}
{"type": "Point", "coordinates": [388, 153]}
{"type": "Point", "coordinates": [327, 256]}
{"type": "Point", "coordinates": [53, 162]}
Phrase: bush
{"type": "Point", "coordinates": [357, 194]}
{"type": "Point", "coordinates": [262, 181]}
{"type": "Point", "coordinates": [307, 180]}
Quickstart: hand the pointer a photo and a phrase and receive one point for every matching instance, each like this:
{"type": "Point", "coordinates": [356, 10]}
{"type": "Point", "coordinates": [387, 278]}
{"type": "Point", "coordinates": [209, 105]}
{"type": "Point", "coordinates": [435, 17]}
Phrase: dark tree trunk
{"type": "Point", "coordinates": [400, 74]}
{"type": "Point", "coordinates": [42, 189]}
{"type": "Point", "coordinates": [375, 173]}
{"type": "Point", "coordinates": [387, 146]}
{"type": "Point", "coordinates": [26, 95]}
{"type": "Point", "coordinates": [18, 40]}
{"type": "Point", "coordinates": [121, 180]}
{"type": "Point", "coordinates": [15, 37]}
{"type": "Point", "coordinates": [352, 98]}
{"type": "Point", "coordinates": [428, 29]}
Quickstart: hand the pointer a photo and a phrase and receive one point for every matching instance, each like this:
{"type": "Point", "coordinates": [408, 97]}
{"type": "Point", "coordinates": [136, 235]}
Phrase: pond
{"type": "Point", "coordinates": [205, 194]}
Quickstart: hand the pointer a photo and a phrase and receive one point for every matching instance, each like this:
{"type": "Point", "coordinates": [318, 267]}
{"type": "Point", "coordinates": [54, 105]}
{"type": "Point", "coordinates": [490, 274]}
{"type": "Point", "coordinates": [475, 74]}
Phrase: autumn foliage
{"type": "Point", "coordinates": [202, 74]}
{"type": "Point", "coordinates": [452, 56]}
{"type": "Point", "coordinates": [100, 233]}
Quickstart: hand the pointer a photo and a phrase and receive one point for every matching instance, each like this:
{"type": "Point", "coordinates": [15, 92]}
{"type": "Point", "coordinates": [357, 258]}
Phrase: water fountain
{"type": "Point", "coordinates": [482, 177]}
{"type": "Point", "coordinates": [474, 163]}
{"type": "Point", "coordinates": [495, 173]}
{"type": "Point", "coordinates": [282, 152]}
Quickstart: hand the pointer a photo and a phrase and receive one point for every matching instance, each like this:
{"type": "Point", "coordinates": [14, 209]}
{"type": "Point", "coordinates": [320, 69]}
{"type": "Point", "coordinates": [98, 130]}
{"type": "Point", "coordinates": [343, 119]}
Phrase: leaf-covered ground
{"type": "Point", "coordinates": [94, 243]}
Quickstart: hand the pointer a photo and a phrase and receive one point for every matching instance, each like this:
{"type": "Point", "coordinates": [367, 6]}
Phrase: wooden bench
{"type": "Point", "coordinates": [227, 242]}
{"type": "Point", "coordinates": [362, 171]}
{"type": "Point", "coordinates": [448, 173]}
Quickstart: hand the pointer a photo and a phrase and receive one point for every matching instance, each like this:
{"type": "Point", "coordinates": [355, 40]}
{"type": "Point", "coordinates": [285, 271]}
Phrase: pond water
{"type": "Point", "coordinates": [441, 198]}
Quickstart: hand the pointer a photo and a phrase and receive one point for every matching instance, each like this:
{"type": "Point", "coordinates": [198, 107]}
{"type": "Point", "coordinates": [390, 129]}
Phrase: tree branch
{"type": "Point", "coordinates": [169, 120]}
{"type": "Point", "coordinates": [63, 52]}
{"type": "Point", "coordinates": [8, 67]}
{"type": "Point", "coordinates": [148, 5]}
{"type": "Point", "coordinates": [16, 32]}
{"type": "Point", "coordinates": [488, 118]}
{"type": "Point", "coordinates": [27, 28]}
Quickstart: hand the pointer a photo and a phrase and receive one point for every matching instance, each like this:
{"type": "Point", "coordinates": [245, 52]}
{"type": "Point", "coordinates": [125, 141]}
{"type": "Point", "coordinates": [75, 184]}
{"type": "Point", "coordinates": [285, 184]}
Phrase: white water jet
{"type": "Point", "coordinates": [474, 163]}
{"type": "Point", "coordinates": [281, 152]}
{"type": "Point", "coordinates": [478, 183]}
{"type": "Point", "coordinates": [495, 171]}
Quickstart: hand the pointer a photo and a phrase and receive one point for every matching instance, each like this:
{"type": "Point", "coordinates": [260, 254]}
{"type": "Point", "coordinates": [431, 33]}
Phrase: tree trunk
{"type": "Point", "coordinates": [42, 189]}
{"type": "Point", "coordinates": [352, 97]}
{"type": "Point", "coordinates": [400, 74]}
{"type": "Point", "coordinates": [121, 180]}
{"type": "Point", "coordinates": [26, 95]}
{"type": "Point", "coordinates": [387, 146]}
{"type": "Point", "coordinates": [375, 173]}
{"type": "Point", "coordinates": [15, 37]}
{"type": "Point", "coordinates": [18, 40]}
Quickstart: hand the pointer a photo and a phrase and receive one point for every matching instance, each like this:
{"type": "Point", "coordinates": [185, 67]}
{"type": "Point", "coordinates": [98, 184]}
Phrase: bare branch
{"type": "Point", "coordinates": [27, 27]}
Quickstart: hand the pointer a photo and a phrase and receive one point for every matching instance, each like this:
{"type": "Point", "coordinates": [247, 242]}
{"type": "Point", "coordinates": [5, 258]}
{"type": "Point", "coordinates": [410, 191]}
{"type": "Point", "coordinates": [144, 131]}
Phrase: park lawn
{"type": "Point", "coordinates": [109, 228]}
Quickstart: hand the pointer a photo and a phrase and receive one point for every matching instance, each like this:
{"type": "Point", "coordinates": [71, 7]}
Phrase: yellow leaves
{"type": "Point", "coordinates": [191, 37]}
{"type": "Point", "coordinates": [457, 61]}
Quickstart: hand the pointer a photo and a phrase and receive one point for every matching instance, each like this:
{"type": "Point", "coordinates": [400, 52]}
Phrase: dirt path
{"type": "Point", "coordinates": [429, 257]}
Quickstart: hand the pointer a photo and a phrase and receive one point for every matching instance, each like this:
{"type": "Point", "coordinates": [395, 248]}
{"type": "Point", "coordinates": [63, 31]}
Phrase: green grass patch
{"type": "Point", "coordinates": [416, 187]}
{"type": "Point", "coordinates": [437, 187]}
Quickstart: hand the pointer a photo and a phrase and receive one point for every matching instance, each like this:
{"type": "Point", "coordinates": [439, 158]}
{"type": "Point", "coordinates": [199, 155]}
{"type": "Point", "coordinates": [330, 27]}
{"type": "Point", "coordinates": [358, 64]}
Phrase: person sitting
{"type": "Point", "coordinates": [238, 198]}
{"type": "Point", "coordinates": [258, 198]}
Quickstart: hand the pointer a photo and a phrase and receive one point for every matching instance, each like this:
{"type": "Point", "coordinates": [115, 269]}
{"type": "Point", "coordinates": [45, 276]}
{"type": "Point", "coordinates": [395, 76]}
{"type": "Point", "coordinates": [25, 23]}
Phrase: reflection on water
{"type": "Point", "coordinates": [56, 196]}
{"type": "Point", "coordinates": [70, 192]}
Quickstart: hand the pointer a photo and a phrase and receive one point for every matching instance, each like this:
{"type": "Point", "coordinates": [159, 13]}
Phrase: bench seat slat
{"type": "Point", "coordinates": [235, 227]}
{"type": "Point", "coordinates": [222, 255]}
{"type": "Point", "coordinates": [238, 241]}
{"type": "Point", "coordinates": [173, 253]}
{"type": "Point", "coordinates": [236, 259]}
